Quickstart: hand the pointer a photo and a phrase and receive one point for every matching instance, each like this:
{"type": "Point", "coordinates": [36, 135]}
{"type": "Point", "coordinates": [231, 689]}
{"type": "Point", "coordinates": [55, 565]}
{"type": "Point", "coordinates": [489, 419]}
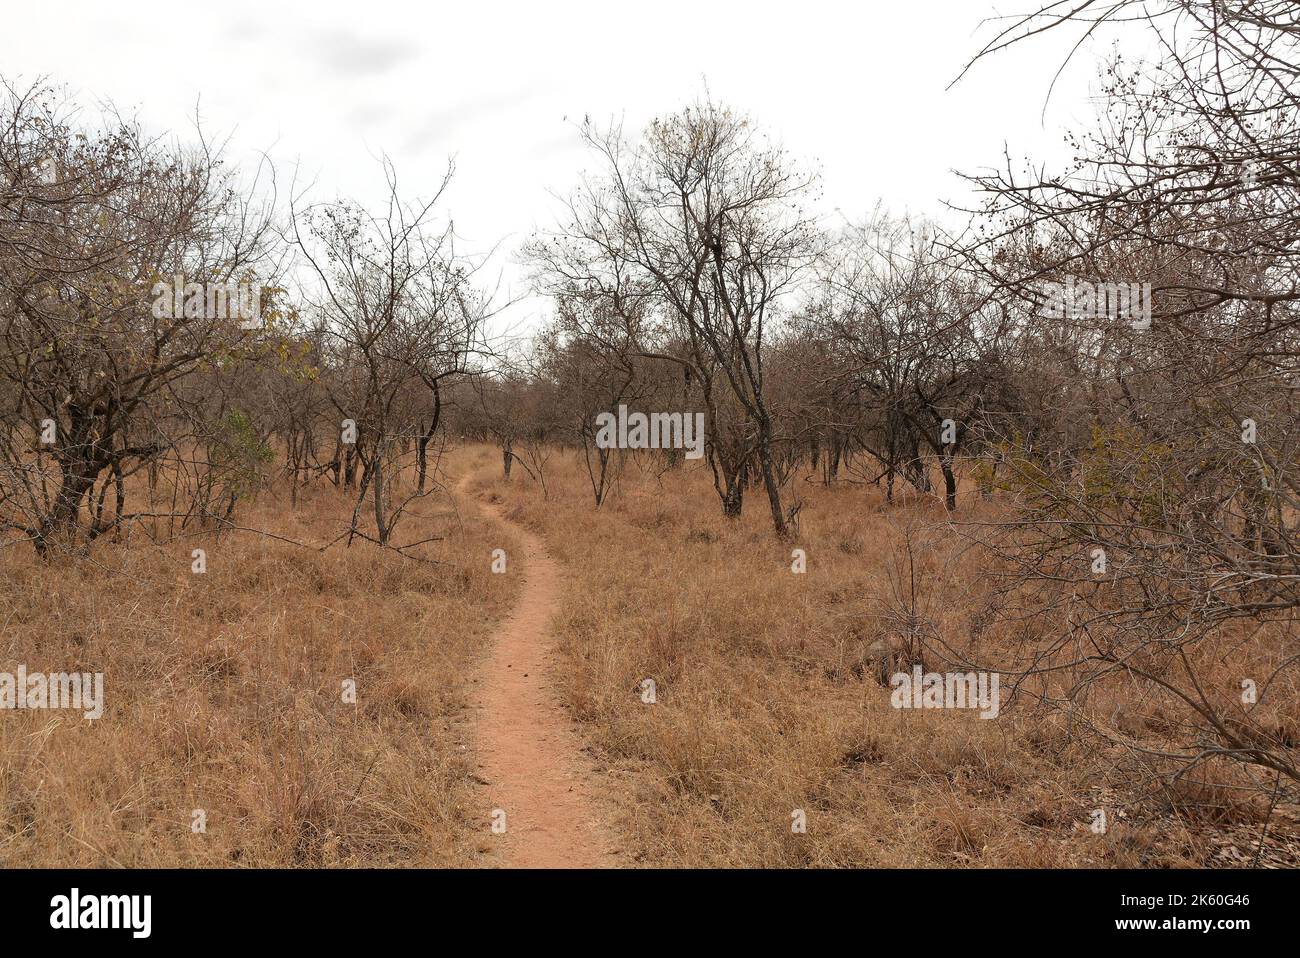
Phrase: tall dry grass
{"type": "Point", "coordinates": [223, 693]}
{"type": "Point", "coordinates": [770, 694]}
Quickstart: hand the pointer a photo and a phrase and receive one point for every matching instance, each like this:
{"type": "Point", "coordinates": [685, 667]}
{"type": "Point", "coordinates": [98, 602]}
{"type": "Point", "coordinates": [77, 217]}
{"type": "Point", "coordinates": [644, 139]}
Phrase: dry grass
{"type": "Point", "coordinates": [769, 697]}
{"type": "Point", "coordinates": [224, 693]}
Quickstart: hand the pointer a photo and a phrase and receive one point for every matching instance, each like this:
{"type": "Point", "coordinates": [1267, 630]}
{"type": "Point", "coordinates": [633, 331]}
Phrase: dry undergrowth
{"type": "Point", "coordinates": [223, 692]}
{"type": "Point", "coordinates": [769, 696]}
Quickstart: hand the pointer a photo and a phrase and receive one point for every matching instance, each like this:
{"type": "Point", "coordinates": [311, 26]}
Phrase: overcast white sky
{"type": "Point", "coordinates": [857, 88]}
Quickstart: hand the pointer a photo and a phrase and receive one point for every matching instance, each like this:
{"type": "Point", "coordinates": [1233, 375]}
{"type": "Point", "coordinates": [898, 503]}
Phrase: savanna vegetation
{"type": "Point", "coordinates": [923, 447]}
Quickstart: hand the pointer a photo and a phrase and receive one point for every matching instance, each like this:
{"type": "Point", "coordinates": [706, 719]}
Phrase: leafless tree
{"type": "Point", "coordinates": [1159, 518]}
{"type": "Point", "coordinates": [92, 218]}
{"type": "Point", "coordinates": [398, 317]}
{"type": "Point", "coordinates": [707, 220]}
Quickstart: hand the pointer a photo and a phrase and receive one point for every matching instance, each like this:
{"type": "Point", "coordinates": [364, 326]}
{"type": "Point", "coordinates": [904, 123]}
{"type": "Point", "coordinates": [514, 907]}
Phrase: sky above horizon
{"type": "Point", "coordinates": [858, 91]}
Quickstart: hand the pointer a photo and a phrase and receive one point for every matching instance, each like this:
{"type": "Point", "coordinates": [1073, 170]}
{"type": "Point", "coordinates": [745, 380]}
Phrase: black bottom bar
{"type": "Point", "coordinates": [895, 908]}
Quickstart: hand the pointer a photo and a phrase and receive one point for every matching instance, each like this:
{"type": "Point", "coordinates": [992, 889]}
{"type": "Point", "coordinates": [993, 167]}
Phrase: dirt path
{"type": "Point", "coordinates": [529, 754]}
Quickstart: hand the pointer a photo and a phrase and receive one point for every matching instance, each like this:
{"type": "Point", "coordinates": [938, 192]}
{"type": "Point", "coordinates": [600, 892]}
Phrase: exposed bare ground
{"type": "Point", "coordinates": [530, 756]}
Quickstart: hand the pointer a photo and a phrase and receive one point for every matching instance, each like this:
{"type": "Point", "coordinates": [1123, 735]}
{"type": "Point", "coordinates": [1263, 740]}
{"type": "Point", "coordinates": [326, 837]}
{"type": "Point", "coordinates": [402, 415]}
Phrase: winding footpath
{"type": "Point", "coordinates": [530, 756]}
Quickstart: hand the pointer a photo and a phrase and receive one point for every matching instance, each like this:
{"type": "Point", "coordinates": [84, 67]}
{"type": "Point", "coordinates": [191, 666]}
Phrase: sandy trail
{"type": "Point", "coordinates": [529, 754]}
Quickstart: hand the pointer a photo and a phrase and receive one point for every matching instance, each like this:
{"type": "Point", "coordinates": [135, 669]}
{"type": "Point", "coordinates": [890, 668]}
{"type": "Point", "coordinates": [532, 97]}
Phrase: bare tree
{"type": "Point", "coordinates": [398, 318]}
{"type": "Point", "coordinates": [707, 220]}
{"type": "Point", "coordinates": [1160, 518]}
{"type": "Point", "coordinates": [92, 220]}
